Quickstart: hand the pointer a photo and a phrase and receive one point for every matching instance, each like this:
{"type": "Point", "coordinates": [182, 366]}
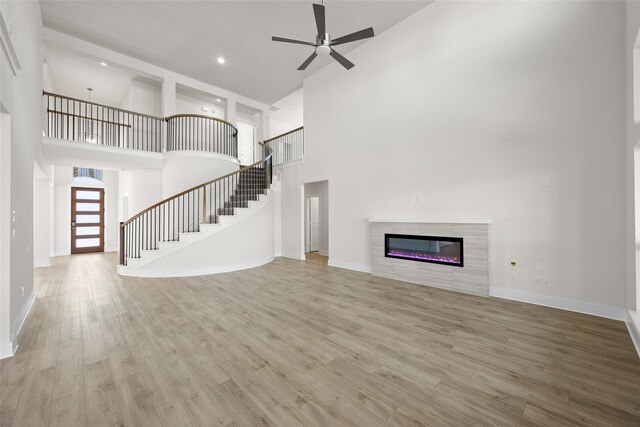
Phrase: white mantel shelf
{"type": "Point", "coordinates": [432, 221]}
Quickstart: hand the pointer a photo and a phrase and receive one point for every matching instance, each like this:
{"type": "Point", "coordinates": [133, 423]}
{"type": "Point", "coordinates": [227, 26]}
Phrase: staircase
{"type": "Point", "coordinates": [224, 224]}
{"type": "Point", "coordinates": [189, 233]}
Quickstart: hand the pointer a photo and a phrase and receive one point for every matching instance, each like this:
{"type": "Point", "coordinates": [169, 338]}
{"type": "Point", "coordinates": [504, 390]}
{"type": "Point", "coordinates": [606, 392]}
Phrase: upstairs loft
{"type": "Point", "coordinates": [72, 124]}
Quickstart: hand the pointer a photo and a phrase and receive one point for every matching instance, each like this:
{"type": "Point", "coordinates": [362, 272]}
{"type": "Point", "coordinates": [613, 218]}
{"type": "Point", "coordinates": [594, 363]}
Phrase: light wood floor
{"type": "Point", "coordinates": [300, 343]}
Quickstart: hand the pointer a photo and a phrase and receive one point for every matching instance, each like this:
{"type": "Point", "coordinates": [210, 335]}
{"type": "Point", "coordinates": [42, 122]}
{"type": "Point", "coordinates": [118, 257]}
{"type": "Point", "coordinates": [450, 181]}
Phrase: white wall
{"type": "Point", "coordinates": [319, 189]}
{"type": "Point", "coordinates": [289, 115]}
{"type": "Point", "coordinates": [20, 97]}
{"type": "Point", "coordinates": [63, 181]}
{"type": "Point", "coordinates": [188, 104]}
{"type": "Point", "coordinates": [633, 145]}
{"type": "Point", "coordinates": [473, 107]}
{"type": "Point", "coordinates": [185, 169]}
{"type": "Point", "coordinates": [41, 223]}
{"type": "Point", "coordinates": [144, 188]}
{"type": "Point", "coordinates": [143, 97]}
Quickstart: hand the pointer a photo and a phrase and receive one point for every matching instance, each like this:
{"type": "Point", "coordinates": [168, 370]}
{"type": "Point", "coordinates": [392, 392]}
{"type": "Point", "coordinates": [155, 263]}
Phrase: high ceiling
{"type": "Point", "coordinates": [188, 36]}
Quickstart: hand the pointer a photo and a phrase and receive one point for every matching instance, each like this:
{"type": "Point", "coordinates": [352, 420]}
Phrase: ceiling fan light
{"type": "Point", "coordinates": [323, 50]}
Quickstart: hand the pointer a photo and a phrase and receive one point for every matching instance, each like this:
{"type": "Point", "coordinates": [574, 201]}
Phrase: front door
{"type": "Point", "coordinates": [87, 220]}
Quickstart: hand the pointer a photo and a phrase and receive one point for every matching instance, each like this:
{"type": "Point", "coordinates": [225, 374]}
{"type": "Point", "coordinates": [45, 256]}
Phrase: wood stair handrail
{"type": "Point", "coordinates": [284, 134]}
{"type": "Point", "coordinates": [175, 196]}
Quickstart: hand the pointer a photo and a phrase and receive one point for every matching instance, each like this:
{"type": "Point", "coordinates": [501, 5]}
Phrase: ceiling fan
{"type": "Point", "coordinates": [324, 44]}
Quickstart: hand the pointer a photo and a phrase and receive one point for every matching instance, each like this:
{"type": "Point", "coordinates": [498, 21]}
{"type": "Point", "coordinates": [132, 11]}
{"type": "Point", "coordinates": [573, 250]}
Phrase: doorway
{"type": "Point", "coordinates": [87, 220]}
{"type": "Point", "coordinates": [246, 142]}
{"type": "Point", "coordinates": [313, 224]}
{"type": "Point", "coordinates": [315, 221]}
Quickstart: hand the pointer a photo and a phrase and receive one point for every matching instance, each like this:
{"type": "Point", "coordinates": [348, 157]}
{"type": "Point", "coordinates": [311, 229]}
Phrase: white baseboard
{"type": "Point", "coordinates": [24, 313]}
{"type": "Point", "coordinates": [593, 309]}
{"type": "Point", "coordinates": [61, 253]}
{"type": "Point", "coordinates": [633, 325]}
{"type": "Point", "coordinates": [293, 255]}
{"type": "Point", "coordinates": [42, 263]}
{"type": "Point", "coordinates": [349, 266]}
{"type": "Point", "coordinates": [9, 348]}
{"type": "Point", "coordinates": [112, 249]}
{"type": "Point", "coordinates": [134, 272]}
{"type": "Point", "coordinates": [6, 349]}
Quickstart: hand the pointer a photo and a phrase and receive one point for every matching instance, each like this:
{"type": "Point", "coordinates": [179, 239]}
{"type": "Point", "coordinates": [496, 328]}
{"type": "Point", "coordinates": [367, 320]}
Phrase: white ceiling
{"type": "Point", "coordinates": [188, 36]}
{"type": "Point", "coordinates": [73, 74]}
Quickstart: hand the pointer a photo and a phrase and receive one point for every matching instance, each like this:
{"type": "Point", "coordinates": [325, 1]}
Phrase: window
{"type": "Point", "coordinates": [87, 174]}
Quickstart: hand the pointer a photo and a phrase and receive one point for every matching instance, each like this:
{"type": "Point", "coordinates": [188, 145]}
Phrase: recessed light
{"type": "Point", "coordinates": [104, 64]}
{"type": "Point", "coordinates": [218, 99]}
{"type": "Point", "coordinates": [220, 60]}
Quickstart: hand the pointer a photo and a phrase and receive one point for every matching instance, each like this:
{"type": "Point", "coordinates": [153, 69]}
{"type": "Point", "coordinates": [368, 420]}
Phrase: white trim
{"type": "Point", "coordinates": [608, 311]}
{"type": "Point", "coordinates": [7, 348]}
{"type": "Point", "coordinates": [633, 325]}
{"type": "Point", "coordinates": [200, 154]}
{"type": "Point", "coordinates": [112, 249]}
{"type": "Point", "coordinates": [42, 263]}
{"type": "Point", "coordinates": [124, 271]}
{"type": "Point", "coordinates": [68, 143]}
{"type": "Point", "coordinates": [435, 221]}
{"type": "Point", "coordinates": [61, 253]}
{"type": "Point", "coordinates": [7, 44]}
{"type": "Point", "coordinates": [24, 313]}
{"type": "Point", "coordinates": [293, 255]}
{"type": "Point", "coordinates": [349, 266]}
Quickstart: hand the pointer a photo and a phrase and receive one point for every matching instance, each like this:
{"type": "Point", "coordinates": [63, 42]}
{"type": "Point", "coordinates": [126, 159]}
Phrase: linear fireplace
{"type": "Point", "coordinates": [437, 250]}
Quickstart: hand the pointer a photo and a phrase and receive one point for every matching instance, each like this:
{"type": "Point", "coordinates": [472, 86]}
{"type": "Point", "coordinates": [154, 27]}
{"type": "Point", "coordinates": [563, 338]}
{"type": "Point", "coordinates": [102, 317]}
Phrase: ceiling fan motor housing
{"type": "Point", "coordinates": [323, 45]}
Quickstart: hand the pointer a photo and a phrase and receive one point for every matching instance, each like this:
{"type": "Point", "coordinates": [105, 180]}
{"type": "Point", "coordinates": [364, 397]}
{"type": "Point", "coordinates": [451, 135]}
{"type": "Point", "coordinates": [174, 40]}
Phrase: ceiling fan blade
{"type": "Point", "coordinates": [358, 35]}
{"type": "Point", "coordinates": [306, 63]}
{"type": "Point", "coordinates": [282, 39]}
{"type": "Point", "coordinates": [318, 11]}
{"type": "Point", "coordinates": [342, 60]}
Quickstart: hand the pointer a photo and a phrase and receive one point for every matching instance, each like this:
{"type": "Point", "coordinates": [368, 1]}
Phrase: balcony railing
{"type": "Point", "coordinates": [288, 147]}
{"type": "Point", "coordinates": [83, 121]}
{"type": "Point", "coordinates": [201, 133]}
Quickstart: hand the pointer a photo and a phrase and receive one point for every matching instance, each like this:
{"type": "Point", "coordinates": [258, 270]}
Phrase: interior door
{"type": "Point", "coordinates": [87, 220]}
{"type": "Point", "coordinates": [314, 224]}
{"type": "Point", "coordinates": [246, 142]}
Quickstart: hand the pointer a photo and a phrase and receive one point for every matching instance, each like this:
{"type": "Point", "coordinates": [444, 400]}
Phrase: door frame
{"type": "Point", "coordinates": [102, 214]}
{"type": "Point", "coordinates": [307, 219]}
{"type": "Point", "coordinates": [253, 144]}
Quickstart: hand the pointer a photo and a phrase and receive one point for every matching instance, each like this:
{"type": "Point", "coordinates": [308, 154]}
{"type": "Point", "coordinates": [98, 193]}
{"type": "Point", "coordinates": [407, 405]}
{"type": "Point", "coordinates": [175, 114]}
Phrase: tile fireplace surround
{"type": "Point", "coordinates": [473, 278]}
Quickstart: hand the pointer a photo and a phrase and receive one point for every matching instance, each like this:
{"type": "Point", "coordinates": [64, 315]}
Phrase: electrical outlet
{"type": "Point", "coordinates": [538, 281]}
{"type": "Point", "coordinates": [546, 282]}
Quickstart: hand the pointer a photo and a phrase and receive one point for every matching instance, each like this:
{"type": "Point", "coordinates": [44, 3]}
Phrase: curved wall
{"type": "Point", "coordinates": [185, 169]}
{"type": "Point", "coordinates": [247, 243]}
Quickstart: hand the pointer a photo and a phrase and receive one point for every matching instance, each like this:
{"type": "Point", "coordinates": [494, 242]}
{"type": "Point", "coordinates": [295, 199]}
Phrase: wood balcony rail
{"type": "Point", "coordinates": [83, 121]}
{"type": "Point", "coordinates": [201, 133]}
{"type": "Point", "coordinates": [288, 147]}
{"type": "Point", "coordinates": [202, 204]}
